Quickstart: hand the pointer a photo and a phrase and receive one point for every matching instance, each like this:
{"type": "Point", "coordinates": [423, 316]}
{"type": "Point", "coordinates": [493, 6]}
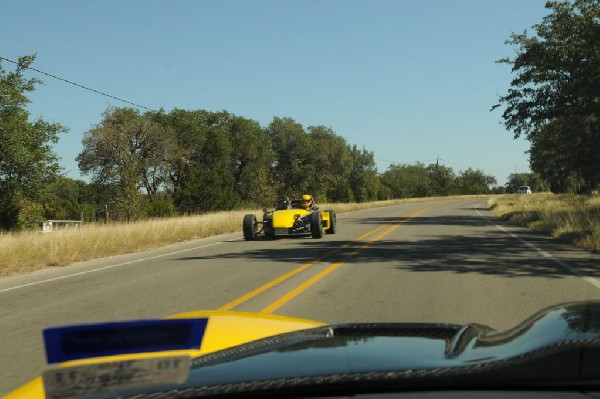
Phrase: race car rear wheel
{"type": "Point", "coordinates": [316, 225]}
{"type": "Point", "coordinates": [250, 227]}
{"type": "Point", "coordinates": [332, 222]}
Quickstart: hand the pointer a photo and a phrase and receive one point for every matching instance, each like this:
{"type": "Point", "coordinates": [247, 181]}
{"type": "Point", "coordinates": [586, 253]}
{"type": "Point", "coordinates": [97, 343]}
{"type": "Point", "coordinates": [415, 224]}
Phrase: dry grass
{"type": "Point", "coordinates": [32, 250]}
{"type": "Point", "coordinates": [571, 218]}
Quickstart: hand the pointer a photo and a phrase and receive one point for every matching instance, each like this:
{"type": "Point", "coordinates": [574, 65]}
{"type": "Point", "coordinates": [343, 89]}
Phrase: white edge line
{"type": "Point", "coordinates": [106, 267]}
{"type": "Point", "coordinates": [543, 253]}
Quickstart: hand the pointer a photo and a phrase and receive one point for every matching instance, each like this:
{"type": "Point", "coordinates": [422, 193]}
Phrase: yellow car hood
{"type": "Point", "coordinates": [223, 330]}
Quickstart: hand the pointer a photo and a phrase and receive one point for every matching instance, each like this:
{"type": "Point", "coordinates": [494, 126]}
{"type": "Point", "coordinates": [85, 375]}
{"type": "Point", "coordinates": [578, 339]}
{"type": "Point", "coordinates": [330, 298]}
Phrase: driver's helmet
{"type": "Point", "coordinates": [283, 202]}
{"type": "Point", "coordinates": [307, 201]}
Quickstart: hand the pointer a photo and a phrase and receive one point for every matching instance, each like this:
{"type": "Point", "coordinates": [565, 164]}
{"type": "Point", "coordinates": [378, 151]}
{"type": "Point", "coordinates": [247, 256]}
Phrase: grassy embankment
{"type": "Point", "coordinates": [571, 218]}
{"type": "Point", "coordinates": [28, 251]}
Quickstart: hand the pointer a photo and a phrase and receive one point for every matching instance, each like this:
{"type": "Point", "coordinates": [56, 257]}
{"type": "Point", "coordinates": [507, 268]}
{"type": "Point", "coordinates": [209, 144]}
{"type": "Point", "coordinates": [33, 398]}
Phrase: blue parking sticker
{"type": "Point", "coordinates": [117, 338]}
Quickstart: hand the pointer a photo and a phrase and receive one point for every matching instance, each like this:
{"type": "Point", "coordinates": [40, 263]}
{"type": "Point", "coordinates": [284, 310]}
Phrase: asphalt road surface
{"type": "Point", "coordinates": [438, 261]}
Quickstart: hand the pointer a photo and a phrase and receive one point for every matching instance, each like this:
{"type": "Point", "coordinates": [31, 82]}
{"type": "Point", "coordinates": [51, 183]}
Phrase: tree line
{"type": "Point", "coordinates": [160, 164]}
{"type": "Point", "coordinates": [182, 162]}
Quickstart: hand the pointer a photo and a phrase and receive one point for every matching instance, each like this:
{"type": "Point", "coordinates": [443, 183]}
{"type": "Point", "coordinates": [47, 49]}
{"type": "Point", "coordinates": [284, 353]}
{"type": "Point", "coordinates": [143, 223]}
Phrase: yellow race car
{"type": "Point", "coordinates": [290, 218]}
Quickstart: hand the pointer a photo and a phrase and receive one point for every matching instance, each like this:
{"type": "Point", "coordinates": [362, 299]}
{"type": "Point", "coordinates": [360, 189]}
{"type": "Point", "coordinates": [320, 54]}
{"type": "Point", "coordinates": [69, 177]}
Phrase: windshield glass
{"type": "Point", "coordinates": [325, 161]}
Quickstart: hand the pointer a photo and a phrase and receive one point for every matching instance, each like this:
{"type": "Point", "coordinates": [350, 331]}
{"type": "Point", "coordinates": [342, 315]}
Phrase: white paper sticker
{"type": "Point", "coordinates": [115, 376]}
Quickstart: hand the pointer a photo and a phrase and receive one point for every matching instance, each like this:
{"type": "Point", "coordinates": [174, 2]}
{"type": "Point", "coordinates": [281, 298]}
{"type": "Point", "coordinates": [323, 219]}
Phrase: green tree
{"type": "Point", "coordinates": [332, 162]}
{"type": "Point", "coordinates": [292, 149]}
{"type": "Point", "coordinates": [203, 173]}
{"type": "Point", "coordinates": [554, 100]}
{"type": "Point", "coordinates": [161, 206]}
{"type": "Point", "coordinates": [128, 152]}
{"type": "Point", "coordinates": [252, 160]}
{"type": "Point", "coordinates": [533, 180]}
{"type": "Point", "coordinates": [364, 179]}
{"type": "Point", "coordinates": [408, 181]}
{"type": "Point", "coordinates": [471, 181]}
{"type": "Point", "coordinates": [64, 198]}
{"type": "Point", "coordinates": [559, 158]}
{"type": "Point", "coordinates": [418, 180]}
{"type": "Point", "coordinates": [499, 190]}
{"type": "Point", "coordinates": [27, 161]}
{"type": "Point", "coordinates": [443, 180]}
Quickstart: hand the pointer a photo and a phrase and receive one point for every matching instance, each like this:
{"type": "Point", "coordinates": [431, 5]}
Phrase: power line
{"type": "Point", "coordinates": [105, 94]}
{"type": "Point", "coordinates": [81, 86]}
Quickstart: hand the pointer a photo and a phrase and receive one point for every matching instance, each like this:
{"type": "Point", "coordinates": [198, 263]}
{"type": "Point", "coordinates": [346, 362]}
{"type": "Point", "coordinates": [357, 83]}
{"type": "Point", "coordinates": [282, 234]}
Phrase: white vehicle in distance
{"type": "Point", "coordinates": [524, 190]}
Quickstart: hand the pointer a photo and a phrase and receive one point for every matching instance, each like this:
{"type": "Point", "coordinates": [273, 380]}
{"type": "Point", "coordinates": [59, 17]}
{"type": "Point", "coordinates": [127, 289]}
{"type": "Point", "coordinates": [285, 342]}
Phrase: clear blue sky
{"type": "Point", "coordinates": [409, 80]}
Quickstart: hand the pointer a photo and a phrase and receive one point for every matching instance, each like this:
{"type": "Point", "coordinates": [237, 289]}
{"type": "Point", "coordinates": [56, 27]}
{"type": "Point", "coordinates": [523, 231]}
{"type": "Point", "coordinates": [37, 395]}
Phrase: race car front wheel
{"type": "Point", "coordinates": [332, 222]}
{"type": "Point", "coordinates": [250, 227]}
{"type": "Point", "coordinates": [316, 225]}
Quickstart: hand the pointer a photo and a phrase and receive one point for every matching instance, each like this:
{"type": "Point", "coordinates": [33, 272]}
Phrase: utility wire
{"type": "Point", "coordinates": [104, 94]}
{"type": "Point", "coordinates": [80, 85]}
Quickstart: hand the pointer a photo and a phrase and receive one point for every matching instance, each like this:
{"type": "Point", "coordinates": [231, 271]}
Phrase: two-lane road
{"type": "Point", "coordinates": [438, 261]}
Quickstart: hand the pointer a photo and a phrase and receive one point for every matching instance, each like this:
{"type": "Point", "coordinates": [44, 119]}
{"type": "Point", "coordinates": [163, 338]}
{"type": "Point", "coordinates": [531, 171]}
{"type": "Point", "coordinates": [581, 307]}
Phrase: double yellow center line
{"type": "Point", "coordinates": [302, 287]}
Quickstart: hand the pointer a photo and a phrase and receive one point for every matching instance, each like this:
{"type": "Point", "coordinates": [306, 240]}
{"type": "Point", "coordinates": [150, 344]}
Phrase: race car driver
{"type": "Point", "coordinates": [308, 203]}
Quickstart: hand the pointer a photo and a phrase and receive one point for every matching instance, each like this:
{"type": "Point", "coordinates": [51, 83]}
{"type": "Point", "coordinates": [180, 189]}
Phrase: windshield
{"type": "Point", "coordinates": [327, 161]}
